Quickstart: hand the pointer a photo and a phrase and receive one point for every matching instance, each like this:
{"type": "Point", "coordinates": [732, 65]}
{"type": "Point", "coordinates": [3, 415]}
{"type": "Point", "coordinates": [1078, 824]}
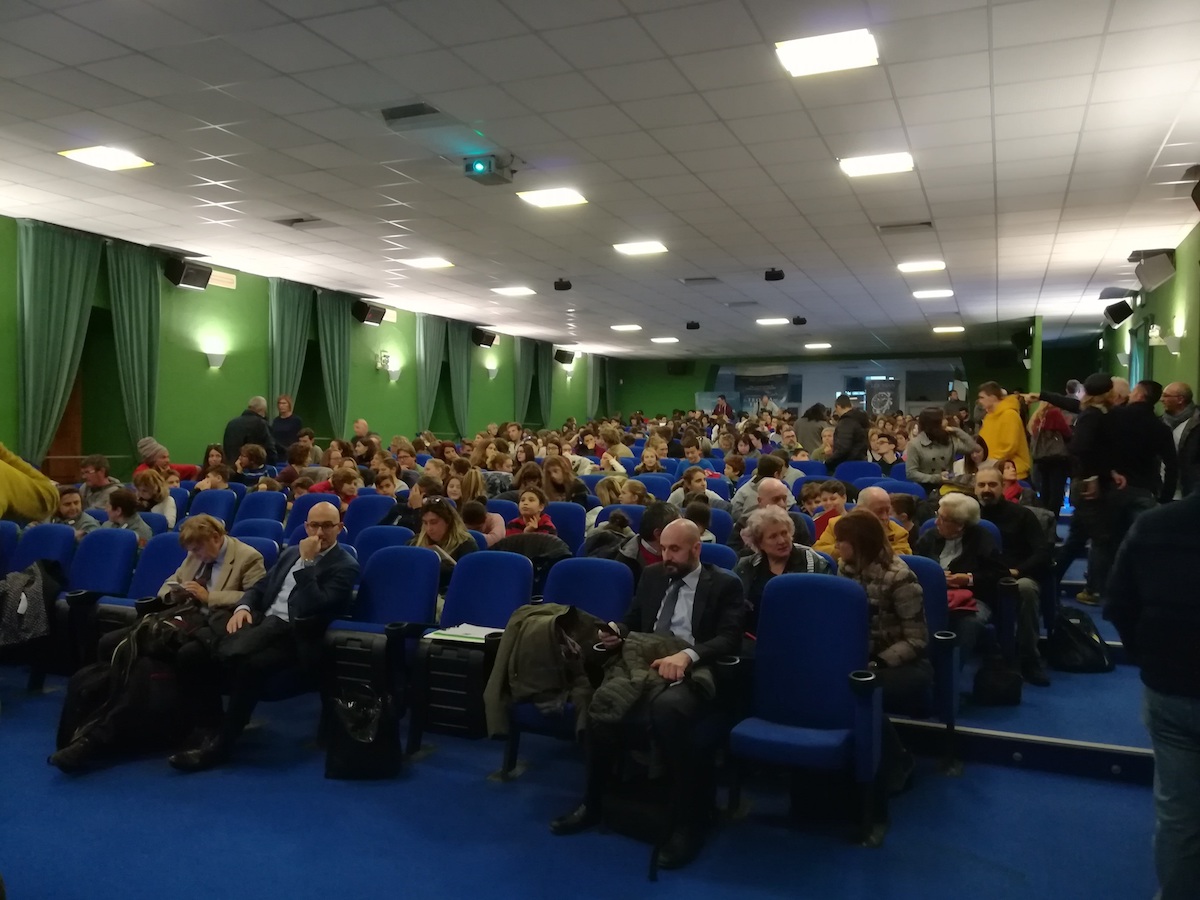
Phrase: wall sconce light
{"type": "Point", "coordinates": [1173, 342]}
{"type": "Point", "coordinates": [1179, 326]}
{"type": "Point", "coordinates": [394, 373]}
{"type": "Point", "coordinates": [215, 360]}
{"type": "Point", "coordinates": [384, 361]}
{"type": "Point", "coordinates": [1123, 359]}
{"type": "Point", "coordinates": [492, 367]}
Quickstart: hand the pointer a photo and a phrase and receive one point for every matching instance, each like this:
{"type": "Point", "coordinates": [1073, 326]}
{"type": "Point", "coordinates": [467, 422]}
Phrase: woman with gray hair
{"type": "Point", "coordinates": [769, 533]}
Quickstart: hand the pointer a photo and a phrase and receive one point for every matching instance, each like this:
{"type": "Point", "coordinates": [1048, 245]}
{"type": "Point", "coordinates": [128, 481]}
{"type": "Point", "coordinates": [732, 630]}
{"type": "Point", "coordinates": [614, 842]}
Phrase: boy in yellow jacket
{"type": "Point", "coordinates": [24, 491]}
{"type": "Point", "coordinates": [1002, 428]}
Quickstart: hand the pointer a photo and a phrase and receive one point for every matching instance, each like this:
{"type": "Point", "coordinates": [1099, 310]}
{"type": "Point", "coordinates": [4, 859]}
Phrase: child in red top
{"type": "Point", "coordinates": [533, 518]}
{"type": "Point", "coordinates": [833, 499]}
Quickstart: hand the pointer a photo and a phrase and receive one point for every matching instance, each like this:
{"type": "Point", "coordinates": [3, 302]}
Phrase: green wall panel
{"type": "Point", "coordinates": [8, 331]}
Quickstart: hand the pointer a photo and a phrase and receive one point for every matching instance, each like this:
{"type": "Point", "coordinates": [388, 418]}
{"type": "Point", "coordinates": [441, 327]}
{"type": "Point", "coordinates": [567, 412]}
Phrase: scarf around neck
{"type": "Point", "coordinates": [1174, 421]}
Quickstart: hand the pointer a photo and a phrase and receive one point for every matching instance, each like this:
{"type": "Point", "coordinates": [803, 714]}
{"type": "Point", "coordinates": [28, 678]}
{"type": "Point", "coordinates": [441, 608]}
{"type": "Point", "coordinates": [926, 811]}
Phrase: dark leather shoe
{"type": "Point", "coordinates": [681, 848]}
{"type": "Point", "coordinates": [1034, 673]}
{"type": "Point", "coordinates": [581, 819]}
{"type": "Point", "coordinates": [211, 752]}
{"type": "Point", "coordinates": [76, 757]}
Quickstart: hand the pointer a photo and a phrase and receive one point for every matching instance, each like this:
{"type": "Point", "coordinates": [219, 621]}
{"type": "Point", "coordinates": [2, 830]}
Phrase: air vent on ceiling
{"type": "Point", "coordinates": [303, 223]}
{"type": "Point", "coordinates": [740, 304]}
{"type": "Point", "coordinates": [700, 281]}
{"type": "Point", "coordinates": [904, 228]}
{"type": "Point", "coordinates": [415, 115]}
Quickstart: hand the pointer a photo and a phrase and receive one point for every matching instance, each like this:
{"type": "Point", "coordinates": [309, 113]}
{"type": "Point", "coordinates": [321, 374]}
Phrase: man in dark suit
{"type": "Point", "coordinates": [702, 605]}
{"type": "Point", "coordinates": [250, 428]}
{"type": "Point", "coordinates": [278, 626]}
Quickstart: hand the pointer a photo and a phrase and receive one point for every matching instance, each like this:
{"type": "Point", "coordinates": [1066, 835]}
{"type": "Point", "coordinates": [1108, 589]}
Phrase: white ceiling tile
{"type": "Point", "coordinates": [788, 153]}
{"type": "Point", "coordinates": [853, 86]}
{"type": "Point", "coordinates": [222, 16]}
{"type": "Point", "coordinates": [1131, 84]}
{"type": "Point", "coordinates": [1039, 21]}
{"type": "Point", "coordinates": [356, 85]}
{"type": "Point", "coordinates": [133, 23]}
{"type": "Point", "coordinates": [771, 129]}
{"type": "Point", "coordinates": [282, 96]}
{"type": "Point", "coordinates": [754, 100]}
{"type": "Point", "coordinates": [543, 14]}
{"type": "Point", "coordinates": [716, 159]}
{"type": "Point", "coordinates": [663, 112]}
{"type": "Point", "coordinates": [609, 43]}
{"type": "Point", "coordinates": [1034, 168]}
{"type": "Point", "coordinates": [478, 104]}
{"type": "Point", "coordinates": [1154, 113]}
{"type": "Point", "coordinates": [731, 67]}
{"type": "Point", "coordinates": [143, 75]}
{"type": "Point", "coordinates": [706, 136]}
{"type": "Point", "coordinates": [866, 143]}
{"type": "Point", "coordinates": [454, 22]}
{"type": "Point", "coordinates": [933, 75]}
{"type": "Point", "coordinates": [1031, 96]}
{"type": "Point", "coordinates": [438, 70]}
{"type": "Point", "coordinates": [932, 109]}
{"type": "Point", "coordinates": [964, 131]}
{"type": "Point", "coordinates": [1040, 62]}
{"type": "Point", "coordinates": [213, 61]}
{"type": "Point", "coordinates": [555, 92]}
{"type": "Point", "coordinates": [29, 104]}
{"type": "Point", "coordinates": [591, 122]}
{"type": "Point", "coordinates": [1131, 15]}
{"type": "Point", "coordinates": [856, 117]}
{"type": "Point", "coordinates": [634, 145]}
{"type": "Point", "coordinates": [657, 166]}
{"type": "Point", "coordinates": [1040, 147]}
{"type": "Point", "coordinates": [290, 48]}
{"type": "Point", "coordinates": [340, 124]}
{"type": "Point", "coordinates": [672, 184]}
{"type": "Point", "coordinates": [522, 131]}
{"type": "Point", "coordinates": [783, 20]}
{"type": "Point", "coordinates": [908, 40]}
{"type": "Point", "coordinates": [65, 42]}
{"type": "Point", "coordinates": [79, 88]}
{"type": "Point", "coordinates": [509, 59]}
{"type": "Point", "coordinates": [640, 81]}
{"type": "Point", "coordinates": [706, 27]}
{"type": "Point", "coordinates": [150, 116]}
{"type": "Point", "coordinates": [372, 33]}
{"type": "Point", "coordinates": [17, 61]}
{"type": "Point", "coordinates": [1032, 124]}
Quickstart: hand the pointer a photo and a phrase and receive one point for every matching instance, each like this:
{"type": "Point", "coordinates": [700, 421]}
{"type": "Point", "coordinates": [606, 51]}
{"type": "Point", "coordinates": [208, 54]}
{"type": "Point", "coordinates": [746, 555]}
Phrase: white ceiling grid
{"type": "Point", "coordinates": [1044, 133]}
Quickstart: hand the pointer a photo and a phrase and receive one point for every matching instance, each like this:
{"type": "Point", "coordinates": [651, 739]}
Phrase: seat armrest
{"type": "Point", "coordinates": [868, 724]}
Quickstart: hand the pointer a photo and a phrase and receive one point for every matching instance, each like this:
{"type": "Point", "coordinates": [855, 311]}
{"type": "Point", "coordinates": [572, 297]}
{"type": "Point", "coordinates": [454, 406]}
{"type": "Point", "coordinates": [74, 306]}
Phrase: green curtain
{"type": "Point", "coordinates": [595, 373]}
{"type": "Point", "coordinates": [56, 271]}
{"type": "Point", "coordinates": [333, 334]}
{"type": "Point", "coordinates": [135, 287]}
{"type": "Point", "coordinates": [545, 379]}
{"type": "Point", "coordinates": [289, 319]}
{"type": "Point", "coordinates": [524, 350]}
{"type": "Point", "coordinates": [431, 352]}
{"type": "Point", "coordinates": [610, 386]}
{"type": "Point", "coordinates": [461, 351]}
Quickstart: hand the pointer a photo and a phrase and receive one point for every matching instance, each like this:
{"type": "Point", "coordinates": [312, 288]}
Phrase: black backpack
{"type": "Point", "coordinates": [1075, 645]}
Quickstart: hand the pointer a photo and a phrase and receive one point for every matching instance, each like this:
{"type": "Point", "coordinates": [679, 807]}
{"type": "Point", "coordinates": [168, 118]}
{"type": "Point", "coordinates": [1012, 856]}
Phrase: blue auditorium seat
{"type": "Point", "coordinates": [893, 486]}
{"type": "Point", "coordinates": [397, 584]}
{"type": "Point", "coordinates": [270, 529]}
{"type": "Point", "coordinates": [898, 472]}
{"type": "Point", "coordinates": [364, 512]}
{"type": "Point", "coordinates": [866, 481]}
{"type": "Point", "coordinates": [848, 471]}
{"type": "Point", "coordinates": [812, 468]}
{"type": "Point", "coordinates": [217, 503]}
{"type": "Point", "coordinates": [156, 521]}
{"type": "Point", "coordinates": [103, 563]}
{"type": "Point", "coordinates": [480, 539]}
{"type": "Point", "coordinates": [301, 506]}
{"type": "Point", "coordinates": [721, 525]}
{"type": "Point", "coordinates": [943, 643]}
{"type": "Point", "coordinates": [159, 560]}
{"type": "Point", "coordinates": [267, 548]}
{"type": "Point", "coordinates": [262, 505]}
{"type": "Point", "coordinates": [423, 458]}
{"type": "Point", "coordinates": [10, 533]}
{"type": "Point", "coordinates": [374, 538]}
{"type": "Point", "coordinates": [486, 588]}
{"type": "Point", "coordinates": [182, 498]}
{"type": "Point", "coordinates": [592, 480]}
{"type": "Point", "coordinates": [239, 490]}
{"type": "Point", "coordinates": [720, 487]}
{"type": "Point", "coordinates": [719, 555]}
{"type": "Point", "coordinates": [53, 542]}
{"type": "Point", "coordinates": [633, 511]}
{"type": "Point", "coordinates": [505, 508]}
{"type": "Point", "coordinates": [990, 527]}
{"type": "Point", "coordinates": [570, 520]}
{"type": "Point", "coordinates": [659, 486]}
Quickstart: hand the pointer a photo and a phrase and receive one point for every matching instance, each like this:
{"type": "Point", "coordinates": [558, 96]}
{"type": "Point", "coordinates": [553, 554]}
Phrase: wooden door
{"type": "Point", "coordinates": [66, 450]}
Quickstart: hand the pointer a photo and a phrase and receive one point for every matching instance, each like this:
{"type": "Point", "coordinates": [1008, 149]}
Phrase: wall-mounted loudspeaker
{"type": "Point", "coordinates": [1196, 195]}
{"type": "Point", "coordinates": [1155, 271]}
{"type": "Point", "coordinates": [679, 367]}
{"type": "Point", "coordinates": [566, 357]}
{"type": "Point", "coordinates": [367, 313]}
{"type": "Point", "coordinates": [184, 274]}
{"type": "Point", "coordinates": [1117, 313]}
{"type": "Point", "coordinates": [481, 338]}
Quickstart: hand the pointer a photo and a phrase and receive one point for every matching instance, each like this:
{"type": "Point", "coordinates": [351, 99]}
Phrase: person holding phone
{"type": "Point", "coordinates": [443, 532]}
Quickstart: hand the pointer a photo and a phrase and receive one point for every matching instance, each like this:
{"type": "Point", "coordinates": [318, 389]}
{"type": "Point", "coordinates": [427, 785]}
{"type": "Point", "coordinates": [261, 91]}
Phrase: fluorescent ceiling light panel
{"type": "Point", "coordinates": [949, 329]}
{"type": "Point", "coordinates": [817, 346]}
{"type": "Point", "coordinates": [514, 291]}
{"type": "Point", "coordinates": [664, 340]}
{"type": "Point", "coordinates": [626, 327]}
{"type": "Point", "coordinates": [428, 262]}
{"type": "Point", "coordinates": [932, 295]}
{"type": "Point", "coordinates": [110, 158]}
{"type": "Point", "coordinates": [883, 164]}
{"type": "Point", "coordinates": [637, 248]}
{"type": "Point", "coordinates": [828, 52]}
{"type": "Point", "coordinates": [923, 265]}
{"type": "Point", "coordinates": [772, 321]}
{"type": "Point", "coordinates": [553, 197]}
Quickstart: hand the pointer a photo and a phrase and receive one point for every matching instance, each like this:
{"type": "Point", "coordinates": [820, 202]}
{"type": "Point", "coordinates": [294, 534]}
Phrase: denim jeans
{"type": "Point", "coordinates": [1174, 725]}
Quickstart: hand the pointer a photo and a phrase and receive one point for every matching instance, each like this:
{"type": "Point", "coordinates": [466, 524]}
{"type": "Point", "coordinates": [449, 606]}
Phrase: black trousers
{"type": "Point", "coordinates": [685, 726]}
{"type": "Point", "coordinates": [1050, 478]}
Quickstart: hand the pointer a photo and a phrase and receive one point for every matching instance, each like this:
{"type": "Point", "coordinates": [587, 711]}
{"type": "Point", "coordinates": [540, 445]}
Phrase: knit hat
{"type": "Point", "coordinates": [1097, 384]}
{"type": "Point", "coordinates": [148, 448]}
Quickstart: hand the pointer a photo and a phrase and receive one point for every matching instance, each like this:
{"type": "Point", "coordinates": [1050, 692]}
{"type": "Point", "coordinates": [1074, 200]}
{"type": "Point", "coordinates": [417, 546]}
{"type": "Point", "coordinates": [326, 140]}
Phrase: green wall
{"type": "Point", "coordinates": [646, 385]}
{"type": "Point", "coordinates": [8, 331]}
{"type": "Point", "coordinates": [1177, 301]}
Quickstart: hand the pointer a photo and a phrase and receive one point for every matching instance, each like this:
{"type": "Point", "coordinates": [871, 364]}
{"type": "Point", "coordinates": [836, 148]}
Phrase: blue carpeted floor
{"type": "Point", "coordinates": [272, 826]}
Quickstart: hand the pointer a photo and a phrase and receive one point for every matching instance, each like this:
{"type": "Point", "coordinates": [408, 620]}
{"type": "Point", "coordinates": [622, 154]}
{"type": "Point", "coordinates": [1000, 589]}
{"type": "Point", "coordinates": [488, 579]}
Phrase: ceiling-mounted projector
{"type": "Point", "coordinates": [487, 170]}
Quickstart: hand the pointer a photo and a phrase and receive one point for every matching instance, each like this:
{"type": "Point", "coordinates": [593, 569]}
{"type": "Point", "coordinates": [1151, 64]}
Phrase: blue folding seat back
{"type": "Point", "coordinates": [591, 481]}
{"type": "Point", "coordinates": [506, 509]}
{"type": "Point", "coordinates": [268, 548]}
{"type": "Point", "coordinates": [718, 555]}
{"type": "Point", "coordinates": [301, 506]}
{"type": "Point", "coordinates": [98, 514]}
{"type": "Point", "coordinates": [10, 533]}
{"type": "Point", "coordinates": [103, 563]}
{"type": "Point", "coordinates": [367, 491]}
{"type": "Point", "coordinates": [423, 458]}
{"type": "Point", "coordinates": [898, 472]}
{"type": "Point", "coordinates": [720, 487]}
{"type": "Point", "coordinates": [486, 588]}
{"type": "Point", "coordinates": [570, 520]}
{"type": "Point", "coordinates": [270, 529]}
{"type": "Point", "coordinates": [364, 512]}
{"type": "Point", "coordinates": [848, 471]}
{"type": "Point", "coordinates": [717, 454]}
{"type": "Point", "coordinates": [631, 510]}
{"type": "Point", "coordinates": [602, 587]}
{"type": "Point", "coordinates": [989, 527]}
{"type": "Point", "coordinates": [744, 480]}
{"type": "Point", "coordinates": [240, 490]}
{"type": "Point", "coordinates": [156, 521]}
{"type": "Point", "coordinates": [812, 526]}
{"type": "Point", "coordinates": [216, 503]}
{"type": "Point", "coordinates": [812, 633]}
{"type": "Point", "coordinates": [659, 486]}
{"type": "Point", "coordinates": [182, 498]}
{"type": "Point", "coordinates": [892, 486]}
{"type": "Point", "coordinates": [262, 505]}
{"type": "Point", "coordinates": [812, 468]}
{"type": "Point", "coordinates": [159, 560]}
{"type": "Point", "coordinates": [867, 481]}
{"type": "Point", "coordinates": [721, 525]}
{"type": "Point", "coordinates": [480, 539]}
{"type": "Point", "coordinates": [398, 584]}
{"type": "Point", "coordinates": [54, 542]}
{"type": "Point", "coordinates": [374, 538]}
{"type": "Point", "coordinates": [943, 651]}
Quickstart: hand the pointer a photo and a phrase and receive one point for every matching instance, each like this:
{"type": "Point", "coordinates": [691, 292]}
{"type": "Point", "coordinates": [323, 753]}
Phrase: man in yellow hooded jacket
{"type": "Point", "coordinates": [24, 491]}
{"type": "Point", "coordinates": [1002, 429]}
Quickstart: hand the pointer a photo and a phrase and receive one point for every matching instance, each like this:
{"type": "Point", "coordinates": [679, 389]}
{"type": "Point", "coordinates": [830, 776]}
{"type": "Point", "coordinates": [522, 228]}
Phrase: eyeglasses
{"type": "Point", "coordinates": [323, 526]}
{"type": "Point", "coordinates": [435, 501]}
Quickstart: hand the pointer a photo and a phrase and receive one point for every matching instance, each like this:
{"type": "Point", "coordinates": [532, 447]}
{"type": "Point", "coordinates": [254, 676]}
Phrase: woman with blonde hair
{"type": "Point", "coordinates": [154, 496]}
{"type": "Point", "coordinates": [443, 531]}
{"type": "Point", "coordinates": [473, 487]}
{"type": "Point", "coordinates": [608, 492]}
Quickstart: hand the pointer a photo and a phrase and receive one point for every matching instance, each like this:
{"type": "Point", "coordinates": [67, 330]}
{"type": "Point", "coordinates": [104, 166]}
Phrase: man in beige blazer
{"type": "Point", "coordinates": [218, 568]}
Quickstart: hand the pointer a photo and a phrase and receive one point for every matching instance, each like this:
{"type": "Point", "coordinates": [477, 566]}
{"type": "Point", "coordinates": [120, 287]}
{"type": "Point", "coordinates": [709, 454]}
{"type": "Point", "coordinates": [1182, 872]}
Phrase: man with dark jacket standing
{"type": "Point", "coordinates": [1143, 457]}
{"type": "Point", "coordinates": [1181, 415]}
{"type": "Point", "coordinates": [850, 434]}
{"type": "Point", "coordinates": [249, 428]}
{"type": "Point", "coordinates": [1158, 619]}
